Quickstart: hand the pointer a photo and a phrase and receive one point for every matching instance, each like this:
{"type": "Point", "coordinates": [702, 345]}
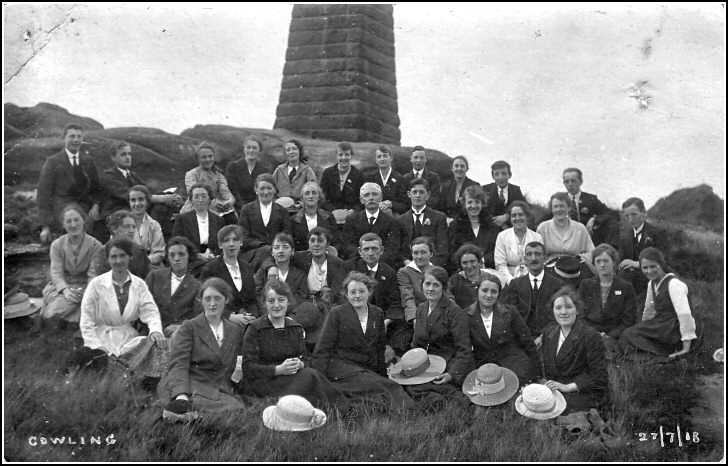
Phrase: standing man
{"type": "Point", "coordinates": [419, 160]}
{"type": "Point", "coordinates": [501, 193]}
{"type": "Point", "coordinates": [532, 293]}
{"type": "Point", "coordinates": [341, 182]}
{"type": "Point", "coordinates": [68, 176]}
{"type": "Point", "coordinates": [422, 220]}
{"type": "Point", "coordinates": [585, 207]}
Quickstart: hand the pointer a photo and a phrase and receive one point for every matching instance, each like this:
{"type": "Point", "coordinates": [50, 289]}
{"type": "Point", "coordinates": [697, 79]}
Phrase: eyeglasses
{"type": "Point", "coordinates": [213, 299]}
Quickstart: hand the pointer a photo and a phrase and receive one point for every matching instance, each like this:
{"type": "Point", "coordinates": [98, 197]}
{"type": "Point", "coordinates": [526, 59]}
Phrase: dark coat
{"type": "Point", "coordinates": [434, 225]}
{"type": "Point", "coordinates": [335, 272]}
{"type": "Point", "coordinates": [395, 190]}
{"type": "Point", "coordinates": [460, 232]}
{"type": "Point", "coordinates": [197, 364]}
{"type": "Point", "coordinates": [323, 219]}
{"type": "Point", "coordinates": [255, 232]}
{"type": "Point", "coordinates": [180, 306]}
{"type": "Point", "coordinates": [619, 312]}
{"type": "Point", "coordinates": [242, 183]}
{"type": "Point", "coordinates": [337, 198]}
{"type": "Point", "coordinates": [57, 187]}
{"type": "Point", "coordinates": [343, 349]}
{"type": "Point", "coordinates": [263, 350]}
{"type": "Point", "coordinates": [433, 180]}
{"type": "Point", "coordinates": [446, 333]}
{"type": "Point", "coordinates": [186, 225]}
{"type": "Point", "coordinates": [580, 360]}
{"type": "Point", "coordinates": [138, 262]}
{"type": "Point", "coordinates": [396, 244]}
{"type": "Point", "coordinates": [115, 190]}
{"type": "Point", "coordinates": [652, 236]}
{"type": "Point", "coordinates": [243, 299]}
{"type": "Point", "coordinates": [518, 293]}
{"type": "Point", "coordinates": [386, 291]}
{"type": "Point", "coordinates": [495, 205]}
{"type": "Point", "coordinates": [447, 203]}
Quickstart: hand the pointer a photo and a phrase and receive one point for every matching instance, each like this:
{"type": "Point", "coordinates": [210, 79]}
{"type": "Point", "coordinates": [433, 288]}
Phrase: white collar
{"type": "Point", "coordinates": [539, 277]}
{"type": "Point", "coordinates": [576, 196]}
{"type": "Point", "coordinates": [265, 207]}
{"type": "Point", "coordinates": [369, 215]}
{"type": "Point", "coordinates": [123, 171]}
{"type": "Point", "coordinates": [373, 269]}
{"type": "Point", "coordinates": [385, 178]}
{"type": "Point", "coordinates": [71, 155]}
{"type": "Point", "coordinates": [637, 231]}
{"type": "Point", "coordinates": [414, 212]}
{"type": "Point", "coordinates": [414, 266]}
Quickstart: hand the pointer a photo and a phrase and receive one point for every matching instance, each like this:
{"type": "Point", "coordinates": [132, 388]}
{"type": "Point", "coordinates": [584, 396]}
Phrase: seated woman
{"type": "Point", "coordinates": [200, 226]}
{"type": "Point", "coordinates": [474, 226]}
{"type": "Point", "coordinates": [409, 277]}
{"type": "Point", "coordinates": [350, 349]}
{"type": "Point", "coordinates": [242, 307]}
{"type": "Point", "coordinates": [242, 172]}
{"type": "Point", "coordinates": [149, 233]}
{"type": "Point", "coordinates": [499, 334]}
{"type": "Point", "coordinates": [573, 355]}
{"type": "Point", "coordinates": [610, 302]}
{"type": "Point", "coordinates": [112, 302]}
{"type": "Point", "coordinates": [121, 225]}
{"type": "Point", "coordinates": [173, 288]}
{"type": "Point", "coordinates": [441, 327]}
{"type": "Point", "coordinates": [292, 175]}
{"type": "Point", "coordinates": [283, 270]}
{"type": "Point", "coordinates": [275, 359]}
{"type": "Point", "coordinates": [463, 285]}
{"type": "Point", "coordinates": [510, 246]}
{"type": "Point", "coordinates": [451, 194]}
{"type": "Point", "coordinates": [71, 256]}
{"type": "Point", "coordinates": [311, 217]}
{"type": "Point", "coordinates": [222, 201]}
{"type": "Point", "coordinates": [667, 327]}
{"type": "Point", "coordinates": [563, 236]}
{"type": "Point", "coordinates": [202, 357]}
{"type": "Point", "coordinates": [261, 220]}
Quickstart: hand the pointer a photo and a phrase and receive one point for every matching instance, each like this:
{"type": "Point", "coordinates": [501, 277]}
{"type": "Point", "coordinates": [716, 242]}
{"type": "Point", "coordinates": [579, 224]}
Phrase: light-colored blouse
{"type": "Point", "coordinates": [509, 255]}
{"type": "Point", "coordinates": [69, 267]}
{"type": "Point", "coordinates": [217, 183]}
{"type": "Point", "coordinates": [574, 241]}
{"type": "Point", "coordinates": [150, 237]}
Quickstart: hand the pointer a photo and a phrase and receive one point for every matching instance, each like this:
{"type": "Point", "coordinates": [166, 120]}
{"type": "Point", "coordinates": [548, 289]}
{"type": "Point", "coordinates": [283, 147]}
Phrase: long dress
{"type": "Point", "coordinates": [68, 268]}
{"type": "Point", "coordinates": [353, 360]}
{"type": "Point", "coordinates": [265, 347]}
{"type": "Point", "coordinates": [672, 323]}
{"type": "Point", "coordinates": [105, 326]}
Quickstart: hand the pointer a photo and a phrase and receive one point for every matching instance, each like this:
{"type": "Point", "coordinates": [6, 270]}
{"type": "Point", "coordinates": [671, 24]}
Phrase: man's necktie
{"type": "Point", "coordinates": [371, 222]}
{"type": "Point", "coordinates": [534, 294]}
{"type": "Point", "coordinates": [418, 225]}
{"type": "Point", "coordinates": [575, 208]}
{"type": "Point", "coordinates": [292, 175]}
{"type": "Point", "coordinates": [502, 196]}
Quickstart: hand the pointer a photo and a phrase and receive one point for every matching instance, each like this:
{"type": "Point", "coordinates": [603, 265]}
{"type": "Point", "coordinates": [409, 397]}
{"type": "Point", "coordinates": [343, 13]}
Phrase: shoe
{"type": "Point", "coordinates": [179, 406]}
{"type": "Point", "coordinates": [174, 417]}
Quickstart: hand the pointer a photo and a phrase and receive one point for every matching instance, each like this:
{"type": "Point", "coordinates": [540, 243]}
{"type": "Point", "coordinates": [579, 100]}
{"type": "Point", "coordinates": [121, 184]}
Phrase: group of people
{"type": "Point", "coordinates": [312, 289]}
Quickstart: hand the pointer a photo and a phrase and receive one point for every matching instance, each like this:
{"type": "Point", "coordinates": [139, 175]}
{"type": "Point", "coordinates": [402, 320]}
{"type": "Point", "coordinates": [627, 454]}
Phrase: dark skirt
{"type": "Point", "coordinates": [307, 382]}
{"type": "Point", "coordinates": [657, 336]}
{"type": "Point", "coordinates": [373, 387]}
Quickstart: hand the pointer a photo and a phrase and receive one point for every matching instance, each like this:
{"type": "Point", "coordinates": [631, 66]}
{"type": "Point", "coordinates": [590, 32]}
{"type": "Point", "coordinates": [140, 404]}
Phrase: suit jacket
{"type": "Point", "coordinates": [242, 183]}
{"type": "Point", "coordinates": [303, 175]}
{"type": "Point", "coordinates": [509, 333]}
{"type": "Point", "coordinates": [434, 225]}
{"type": "Point", "coordinates": [386, 291]}
{"type": "Point", "coordinates": [245, 298]}
{"type": "Point", "coordinates": [57, 188]}
{"type": "Point", "coordinates": [495, 205]}
{"type": "Point", "coordinates": [186, 225]}
{"type": "Point", "coordinates": [460, 232]}
{"type": "Point", "coordinates": [445, 332]}
{"type": "Point", "coordinates": [198, 365]}
{"type": "Point", "coordinates": [335, 272]}
{"type": "Point", "coordinates": [115, 190]}
{"type": "Point", "coordinates": [180, 306]}
{"type": "Point", "coordinates": [323, 219]}
{"type": "Point", "coordinates": [589, 206]}
{"type": "Point", "coordinates": [337, 198]}
{"type": "Point", "coordinates": [652, 236]}
{"type": "Point", "coordinates": [619, 312]}
{"type": "Point", "coordinates": [433, 180]}
{"type": "Point", "coordinates": [343, 349]}
{"type": "Point", "coordinates": [395, 190]}
{"type": "Point", "coordinates": [518, 293]}
{"type": "Point", "coordinates": [396, 245]}
{"type": "Point", "coordinates": [447, 203]}
{"type": "Point", "coordinates": [255, 232]}
{"type": "Point", "coordinates": [580, 359]}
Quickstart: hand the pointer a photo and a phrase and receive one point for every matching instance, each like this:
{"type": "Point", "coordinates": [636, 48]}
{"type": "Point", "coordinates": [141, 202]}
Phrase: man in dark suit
{"type": "Point", "coordinates": [341, 182]}
{"type": "Point", "coordinates": [633, 241]}
{"type": "Point", "coordinates": [585, 207]}
{"type": "Point", "coordinates": [501, 193]}
{"type": "Point", "coordinates": [373, 220]}
{"type": "Point", "coordinates": [66, 177]}
{"type": "Point", "coordinates": [418, 160]}
{"type": "Point", "coordinates": [394, 199]}
{"type": "Point", "coordinates": [422, 220]}
{"type": "Point", "coordinates": [531, 293]}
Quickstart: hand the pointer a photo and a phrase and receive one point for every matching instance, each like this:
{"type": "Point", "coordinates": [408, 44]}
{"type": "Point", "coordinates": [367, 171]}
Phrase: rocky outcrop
{"type": "Point", "coordinates": [693, 207]}
{"type": "Point", "coordinates": [43, 120]}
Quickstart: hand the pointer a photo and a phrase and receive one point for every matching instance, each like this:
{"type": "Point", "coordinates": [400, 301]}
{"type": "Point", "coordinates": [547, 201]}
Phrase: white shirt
{"type": "Point", "coordinates": [385, 178]}
{"type": "Point", "coordinates": [364, 323]}
{"type": "Point", "coordinates": [317, 276]}
{"type": "Point", "coordinates": [418, 174]}
{"type": "Point", "coordinates": [176, 282]}
{"type": "Point", "coordinates": [562, 338]}
{"type": "Point", "coordinates": [71, 155]}
{"type": "Point", "coordinates": [235, 274]}
{"type": "Point", "coordinates": [421, 213]}
{"type": "Point", "coordinates": [638, 231]}
{"type": "Point", "coordinates": [487, 322]}
{"type": "Point", "coordinates": [265, 212]}
{"type": "Point", "coordinates": [373, 269]}
{"type": "Point", "coordinates": [282, 276]}
{"type": "Point", "coordinates": [311, 221]}
{"type": "Point", "coordinates": [218, 332]}
{"type": "Point", "coordinates": [202, 227]}
{"type": "Point", "coordinates": [538, 277]}
{"type": "Point", "coordinates": [343, 177]}
{"type": "Point", "coordinates": [290, 168]}
{"type": "Point", "coordinates": [123, 172]}
{"type": "Point", "coordinates": [504, 191]}
{"type": "Point", "coordinates": [375, 215]}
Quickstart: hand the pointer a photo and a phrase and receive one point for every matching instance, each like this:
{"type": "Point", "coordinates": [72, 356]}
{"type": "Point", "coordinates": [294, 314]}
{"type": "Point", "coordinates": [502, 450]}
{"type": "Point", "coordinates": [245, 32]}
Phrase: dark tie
{"type": "Point", "coordinates": [534, 294]}
{"type": "Point", "coordinates": [502, 196]}
{"type": "Point", "coordinates": [371, 274]}
{"type": "Point", "coordinates": [636, 246]}
{"type": "Point", "coordinates": [418, 225]}
{"type": "Point", "coordinates": [292, 175]}
{"type": "Point", "coordinates": [371, 222]}
{"type": "Point", "coordinates": [575, 209]}
{"type": "Point", "coordinates": [77, 170]}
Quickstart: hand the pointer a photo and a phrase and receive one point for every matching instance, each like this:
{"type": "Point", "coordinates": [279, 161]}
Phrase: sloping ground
{"type": "Point", "coordinates": [693, 207]}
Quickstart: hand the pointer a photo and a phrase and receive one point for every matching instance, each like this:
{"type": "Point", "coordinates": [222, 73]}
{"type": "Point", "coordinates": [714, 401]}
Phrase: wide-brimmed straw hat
{"type": "Point", "coordinates": [417, 367]}
{"type": "Point", "coordinates": [490, 385]}
{"type": "Point", "coordinates": [18, 305]}
{"type": "Point", "coordinates": [293, 413]}
{"type": "Point", "coordinates": [540, 402]}
{"type": "Point", "coordinates": [285, 201]}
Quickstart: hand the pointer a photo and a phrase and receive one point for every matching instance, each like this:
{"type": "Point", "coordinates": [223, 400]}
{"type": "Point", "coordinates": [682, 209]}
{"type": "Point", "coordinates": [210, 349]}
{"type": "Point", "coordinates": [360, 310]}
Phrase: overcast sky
{"type": "Point", "coordinates": [544, 87]}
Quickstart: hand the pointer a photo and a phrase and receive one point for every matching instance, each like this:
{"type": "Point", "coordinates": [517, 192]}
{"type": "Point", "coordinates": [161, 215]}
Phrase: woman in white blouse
{"type": "Point", "coordinates": [149, 234]}
{"type": "Point", "coordinates": [563, 236]}
{"type": "Point", "coordinates": [509, 254]}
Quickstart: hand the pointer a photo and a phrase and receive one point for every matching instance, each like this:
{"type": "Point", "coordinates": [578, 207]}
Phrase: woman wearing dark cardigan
{"type": "Point", "coordinates": [475, 227]}
{"type": "Point", "coordinates": [573, 354]}
{"type": "Point", "coordinates": [499, 334]}
{"type": "Point", "coordinates": [275, 359]}
{"type": "Point", "coordinates": [350, 349]}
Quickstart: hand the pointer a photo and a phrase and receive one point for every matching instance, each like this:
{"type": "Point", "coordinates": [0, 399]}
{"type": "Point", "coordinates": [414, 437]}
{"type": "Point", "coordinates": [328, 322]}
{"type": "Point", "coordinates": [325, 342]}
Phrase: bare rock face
{"type": "Point", "coordinates": [42, 120]}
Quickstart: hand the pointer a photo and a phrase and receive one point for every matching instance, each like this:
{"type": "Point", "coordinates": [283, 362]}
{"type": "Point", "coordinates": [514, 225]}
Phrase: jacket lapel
{"type": "Point", "coordinates": [193, 227]}
{"type": "Point", "coordinates": [208, 337]}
